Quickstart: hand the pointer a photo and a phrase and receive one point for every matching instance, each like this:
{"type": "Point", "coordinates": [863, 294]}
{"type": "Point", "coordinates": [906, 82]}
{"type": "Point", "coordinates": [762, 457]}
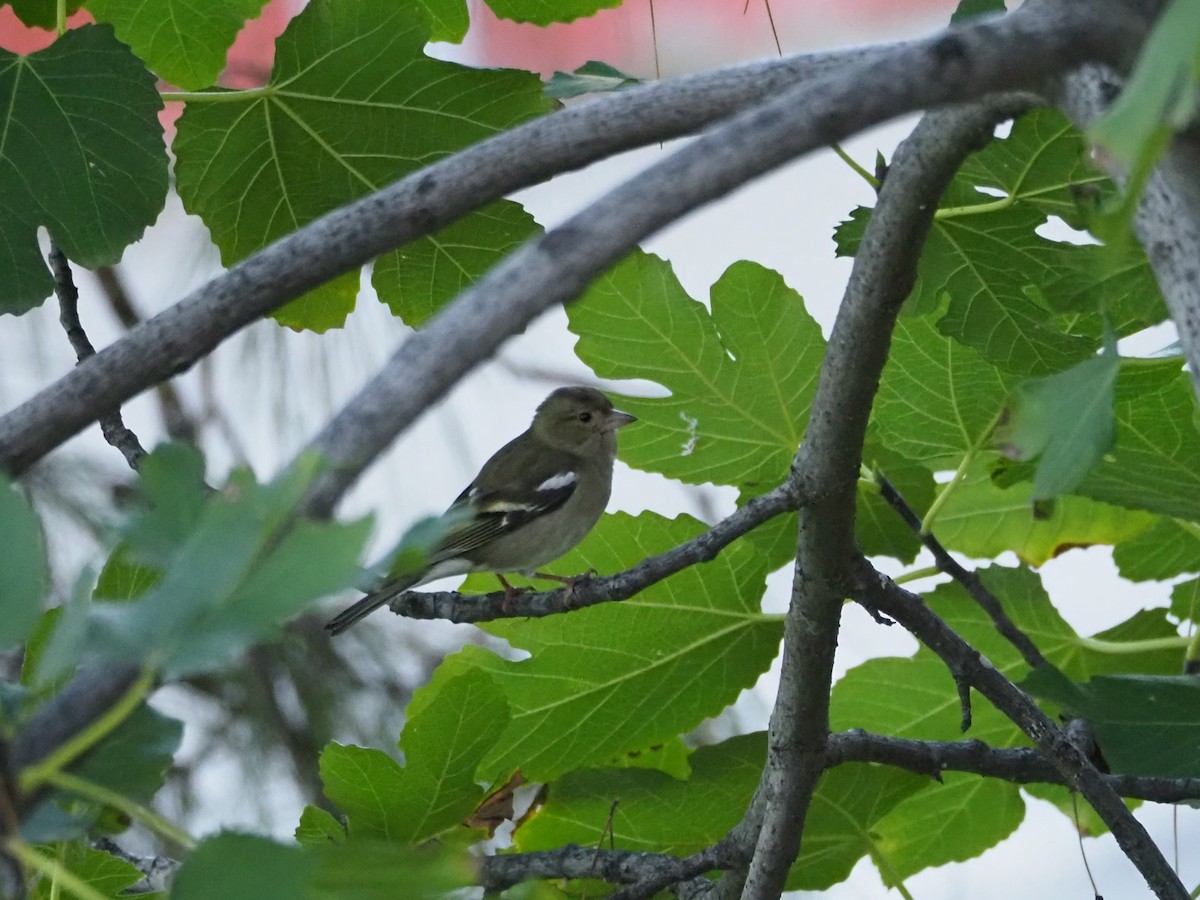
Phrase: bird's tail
{"type": "Point", "coordinates": [370, 603]}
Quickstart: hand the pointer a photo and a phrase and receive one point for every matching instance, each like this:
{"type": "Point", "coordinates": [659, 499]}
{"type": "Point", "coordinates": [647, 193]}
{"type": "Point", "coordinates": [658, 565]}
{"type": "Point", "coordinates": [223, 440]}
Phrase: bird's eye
{"type": "Point", "coordinates": [585, 416]}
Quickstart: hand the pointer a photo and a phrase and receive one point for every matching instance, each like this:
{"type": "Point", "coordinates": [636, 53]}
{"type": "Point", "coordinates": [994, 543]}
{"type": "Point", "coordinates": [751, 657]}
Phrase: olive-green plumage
{"type": "Point", "coordinates": [535, 499]}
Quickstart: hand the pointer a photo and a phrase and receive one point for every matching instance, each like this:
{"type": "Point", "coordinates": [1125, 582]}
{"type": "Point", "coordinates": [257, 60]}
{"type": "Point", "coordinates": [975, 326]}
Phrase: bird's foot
{"type": "Point", "coordinates": [569, 582]}
{"type": "Point", "coordinates": [510, 593]}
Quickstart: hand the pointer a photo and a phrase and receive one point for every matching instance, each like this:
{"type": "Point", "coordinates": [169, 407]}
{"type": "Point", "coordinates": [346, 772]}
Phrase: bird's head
{"type": "Point", "coordinates": [574, 418]}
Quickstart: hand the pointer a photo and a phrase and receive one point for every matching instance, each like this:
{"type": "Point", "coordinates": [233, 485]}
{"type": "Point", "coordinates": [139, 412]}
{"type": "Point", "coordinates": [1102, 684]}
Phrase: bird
{"type": "Point", "coordinates": [535, 499]}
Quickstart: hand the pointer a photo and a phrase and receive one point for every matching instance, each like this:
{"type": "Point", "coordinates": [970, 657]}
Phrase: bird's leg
{"type": "Point", "coordinates": [568, 581]}
{"type": "Point", "coordinates": [509, 593]}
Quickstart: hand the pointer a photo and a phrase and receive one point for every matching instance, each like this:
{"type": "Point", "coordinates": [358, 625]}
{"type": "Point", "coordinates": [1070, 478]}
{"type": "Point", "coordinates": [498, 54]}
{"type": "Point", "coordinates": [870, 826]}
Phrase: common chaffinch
{"type": "Point", "coordinates": [534, 500]}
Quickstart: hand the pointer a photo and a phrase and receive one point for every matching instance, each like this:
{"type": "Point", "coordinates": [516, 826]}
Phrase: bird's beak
{"type": "Point", "coordinates": [618, 419]}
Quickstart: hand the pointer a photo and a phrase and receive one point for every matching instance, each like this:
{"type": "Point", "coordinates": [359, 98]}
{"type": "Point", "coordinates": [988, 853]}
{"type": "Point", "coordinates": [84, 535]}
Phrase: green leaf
{"type": "Point", "coordinates": [246, 865]}
{"type": "Point", "coordinates": [741, 377]}
{"type": "Point", "coordinates": [134, 759]}
{"type": "Point", "coordinates": [937, 400]}
{"type": "Point", "coordinates": [1169, 547]}
{"type": "Point", "coordinates": [670, 756]}
{"type": "Point", "coordinates": [25, 577]}
{"type": "Point", "coordinates": [100, 871]}
{"type": "Point", "coordinates": [1065, 421]}
{"type": "Point", "coordinates": [171, 478]}
{"type": "Point", "coordinates": [83, 115]}
{"type": "Point", "coordinates": [415, 280]}
{"type": "Point", "coordinates": [1001, 277]}
{"type": "Point", "coordinates": [449, 17]}
{"type": "Point", "coordinates": [245, 566]}
{"type": "Point", "coordinates": [982, 519]}
{"type": "Point", "coordinates": [1145, 725]}
{"type": "Point", "coordinates": [843, 821]}
{"type": "Point", "coordinates": [352, 104]}
{"type": "Point", "coordinates": [1155, 464]}
{"type": "Point", "coordinates": [41, 13]}
{"type": "Point", "coordinates": [916, 698]}
{"type": "Point", "coordinates": [1185, 600]}
{"type": "Point", "coordinates": [592, 77]}
{"type": "Point", "coordinates": [622, 676]}
{"type": "Point", "coordinates": [881, 531]}
{"type": "Point", "coordinates": [319, 827]}
{"type": "Point", "coordinates": [656, 812]}
{"type": "Point", "coordinates": [941, 824]}
{"type": "Point", "coordinates": [969, 9]}
{"type": "Point", "coordinates": [547, 12]}
{"type": "Point", "coordinates": [1042, 164]}
{"type": "Point", "coordinates": [1161, 95]}
{"type": "Point", "coordinates": [123, 578]}
{"type": "Point", "coordinates": [183, 43]}
{"type": "Point", "coordinates": [451, 726]}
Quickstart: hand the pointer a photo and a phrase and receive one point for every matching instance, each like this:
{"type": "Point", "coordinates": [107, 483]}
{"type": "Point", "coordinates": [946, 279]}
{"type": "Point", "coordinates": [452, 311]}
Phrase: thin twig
{"type": "Point", "coordinates": [112, 425]}
{"type": "Point", "coordinates": [969, 580]}
{"type": "Point", "coordinates": [703, 547]}
{"type": "Point", "coordinates": [1059, 750]}
{"type": "Point", "coordinates": [177, 422]}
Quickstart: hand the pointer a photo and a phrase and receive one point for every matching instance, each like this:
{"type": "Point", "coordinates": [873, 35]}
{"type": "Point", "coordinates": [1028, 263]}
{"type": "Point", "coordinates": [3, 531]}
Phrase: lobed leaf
{"type": "Point", "coordinates": [622, 676]}
{"type": "Point", "coordinates": [741, 376]}
{"type": "Point", "coordinates": [82, 115]}
{"type": "Point", "coordinates": [352, 104]}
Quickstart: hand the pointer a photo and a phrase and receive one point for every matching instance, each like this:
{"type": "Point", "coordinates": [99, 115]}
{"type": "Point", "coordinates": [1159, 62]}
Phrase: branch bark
{"type": "Point", "coordinates": [827, 468]}
{"type": "Point", "coordinates": [412, 207]}
{"type": "Point", "coordinates": [1019, 765]}
{"type": "Point", "coordinates": [1020, 50]}
{"type": "Point", "coordinates": [879, 592]}
{"type": "Point", "coordinates": [1017, 51]}
{"type": "Point", "coordinates": [1167, 221]}
{"type": "Point", "coordinates": [703, 547]}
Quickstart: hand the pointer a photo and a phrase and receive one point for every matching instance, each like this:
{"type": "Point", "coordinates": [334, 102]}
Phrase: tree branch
{"type": "Point", "coordinates": [1020, 765]}
{"type": "Point", "coordinates": [1017, 51]}
{"type": "Point", "coordinates": [971, 581]}
{"type": "Point", "coordinates": [1078, 773]}
{"type": "Point", "coordinates": [589, 591]}
{"type": "Point", "coordinates": [112, 425]}
{"type": "Point", "coordinates": [827, 469]}
{"type": "Point", "coordinates": [497, 873]}
{"type": "Point", "coordinates": [410, 208]}
{"type": "Point", "coordinates": [1167, 221]}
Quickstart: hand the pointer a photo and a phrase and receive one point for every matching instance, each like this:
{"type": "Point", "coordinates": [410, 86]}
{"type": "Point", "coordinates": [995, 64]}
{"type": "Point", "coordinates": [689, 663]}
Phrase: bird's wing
{"type": "Point", "coordinates": [503, 498]}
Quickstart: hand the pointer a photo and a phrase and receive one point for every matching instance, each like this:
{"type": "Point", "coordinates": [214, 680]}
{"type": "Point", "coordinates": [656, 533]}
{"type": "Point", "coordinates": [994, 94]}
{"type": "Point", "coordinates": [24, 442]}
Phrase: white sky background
{"type": "Point", "coordinates": [785, 222]}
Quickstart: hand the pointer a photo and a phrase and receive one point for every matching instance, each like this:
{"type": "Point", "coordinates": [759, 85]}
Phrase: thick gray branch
{"type": "Point", "coordinates": [1017, 51]}
{"type": "Point", "coordinates": [1167, 221]}
{"type": "Point", "coordinates": [827, 468]}
{"type": "Point", "coordinates": [410, 208]}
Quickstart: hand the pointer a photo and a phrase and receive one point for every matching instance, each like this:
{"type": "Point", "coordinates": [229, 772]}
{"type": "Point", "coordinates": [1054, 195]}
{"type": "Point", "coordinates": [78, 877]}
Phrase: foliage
{"type": "Point", "coordinates": [1007, 346]}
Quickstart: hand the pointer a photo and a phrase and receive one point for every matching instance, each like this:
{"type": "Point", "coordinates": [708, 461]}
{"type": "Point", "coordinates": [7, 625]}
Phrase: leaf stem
{"type": "Point", "coordinates": [917, 574]}
{"type": "Point", "coordinates": [60, 16]}
{"type": "Point", "coordinates": [55, 884]}
{"type": "Point", "coordinates": [35, 775]}
{"type": "Point", "coordinates": [52, 868]}
{"type": "Point", "coordinates": [853, 164]}
{"type": "Point", "coordinates": [888, 872]}
{"type": "Point", "coordinates": [221, 96]}
{"type": "Point", "coordinates": [131, 808]}
{"type": "Point", "coordinates": [954, 212]}
{"type": "Point", "coordinates": [1129, 647]}
{"type": "Point", "coordinates": [969, 457]}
